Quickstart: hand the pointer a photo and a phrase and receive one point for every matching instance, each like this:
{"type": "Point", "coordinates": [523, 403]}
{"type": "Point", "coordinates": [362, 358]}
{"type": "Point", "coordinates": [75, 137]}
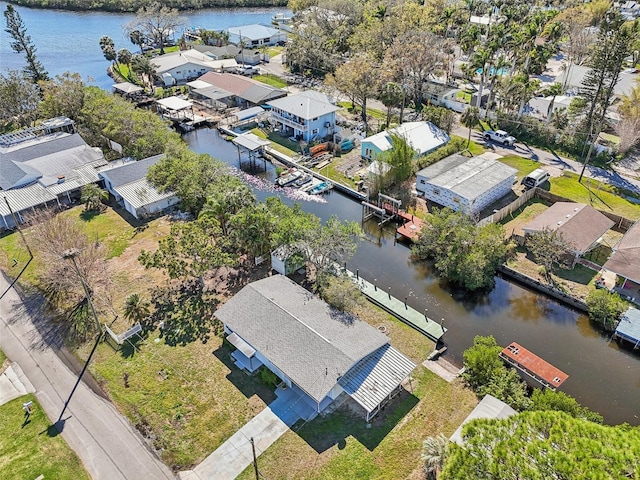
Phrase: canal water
{"type": "Point", "coordinates": [601, 375]}
{"type": "Point", "coordinates": [68, 41]}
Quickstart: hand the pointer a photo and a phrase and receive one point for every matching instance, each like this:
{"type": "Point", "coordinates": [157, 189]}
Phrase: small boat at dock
{"type": "Point", "coordinates": [288, 177]}
{"type": "Point", "coordinates": [320, 188]}
{"type": "Point", "coordinates": [302, 181]}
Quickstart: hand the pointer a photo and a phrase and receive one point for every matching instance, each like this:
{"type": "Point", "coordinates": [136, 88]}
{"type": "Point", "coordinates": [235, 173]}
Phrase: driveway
{"type": "Point", "coordinates": [233, 456]}
{"type": "Point", "coordinates": [109, 447]}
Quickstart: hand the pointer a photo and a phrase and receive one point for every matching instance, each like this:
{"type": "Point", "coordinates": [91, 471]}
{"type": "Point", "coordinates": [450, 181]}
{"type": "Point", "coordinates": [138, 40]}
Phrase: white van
{"type": "Point", "coordinates": [535, 178]}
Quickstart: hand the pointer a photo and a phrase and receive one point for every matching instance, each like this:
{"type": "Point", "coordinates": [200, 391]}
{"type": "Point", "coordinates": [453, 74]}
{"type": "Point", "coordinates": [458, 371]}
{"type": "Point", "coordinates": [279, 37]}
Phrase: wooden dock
{"type": "Point", "coordinates": [399, 309]}
{"type": "Point", "coordinates": [411, 227]}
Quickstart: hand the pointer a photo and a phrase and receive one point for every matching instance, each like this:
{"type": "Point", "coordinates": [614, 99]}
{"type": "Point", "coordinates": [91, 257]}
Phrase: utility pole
{"type": "Point", "coordinates": [71, 255]}
{"type": "Point", "coordinates": [255, 459]}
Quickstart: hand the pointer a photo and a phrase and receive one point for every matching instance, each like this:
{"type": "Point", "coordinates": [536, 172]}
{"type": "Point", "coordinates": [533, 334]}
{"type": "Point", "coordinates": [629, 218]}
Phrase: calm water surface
{"type": "Point", "coordinates": [602, 376]}
{"type": "Point", "coordinates": [68, 41]}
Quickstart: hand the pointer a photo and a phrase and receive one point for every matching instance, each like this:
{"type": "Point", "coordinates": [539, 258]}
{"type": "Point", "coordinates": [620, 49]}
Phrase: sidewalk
{"type": "Point", "coordinates": [107, 444]}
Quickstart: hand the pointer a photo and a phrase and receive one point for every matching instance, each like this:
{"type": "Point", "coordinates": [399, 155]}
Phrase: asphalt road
{"type": "Point", "coordinates": [549, 158]}
{"type": "Point", "coordinates": [109, 447]}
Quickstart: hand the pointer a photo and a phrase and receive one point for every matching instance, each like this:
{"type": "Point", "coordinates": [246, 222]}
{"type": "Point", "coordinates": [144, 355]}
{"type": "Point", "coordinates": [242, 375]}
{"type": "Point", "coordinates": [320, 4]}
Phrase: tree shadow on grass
{"type": "Point", "coordinates": [249, 385]}
{"type": "Point", "coordinates": [186, 312]}
{"type": "Point", "coordinates": [322, 433]}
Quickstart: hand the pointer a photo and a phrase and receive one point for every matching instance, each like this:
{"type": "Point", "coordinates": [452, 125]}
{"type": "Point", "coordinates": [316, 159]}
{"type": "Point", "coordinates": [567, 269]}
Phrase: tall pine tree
{"type": "Point", "coordinates": [22, 43]}
{"type": "Point", "coordinates": [606, 62]}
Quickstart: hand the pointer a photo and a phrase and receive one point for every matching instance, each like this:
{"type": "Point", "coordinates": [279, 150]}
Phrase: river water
{"type": "Point", "coordinates": [68, 41]}
{"type": "Point", "coordinates": [601, 375]}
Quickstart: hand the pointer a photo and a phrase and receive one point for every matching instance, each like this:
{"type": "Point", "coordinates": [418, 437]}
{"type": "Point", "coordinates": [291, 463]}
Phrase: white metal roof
{"type": "Point", "coordinates": [250, 141]}
{"type": "Point", "coordinates": [127, 87]}
{"type": "Point", "coordinates": [24, 198]}
{"type": "Point", "coordinates": [254, 31]}
{"type": "Point", "coordinates": [376, 376]}
{"type": "Point", "coordinates": [467, 177]}
{"type": "Point", "coordinates": [423, 137]}
{"type": "Point", "coordinates": [174, 103]}
{"type": "Point", "coordinates": [141, 193]}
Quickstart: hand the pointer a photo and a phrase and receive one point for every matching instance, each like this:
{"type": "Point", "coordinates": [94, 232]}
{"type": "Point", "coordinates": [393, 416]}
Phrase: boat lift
{"type": "Point", "coordinates": [386, 209]}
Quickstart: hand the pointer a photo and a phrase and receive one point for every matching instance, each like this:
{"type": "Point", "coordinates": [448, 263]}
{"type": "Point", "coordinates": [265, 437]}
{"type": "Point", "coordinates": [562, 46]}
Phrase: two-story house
{"type": "Point", "coordinates": [308, 115]}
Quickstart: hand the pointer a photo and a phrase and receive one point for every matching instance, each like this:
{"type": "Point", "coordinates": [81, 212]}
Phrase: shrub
{"type": "Point", "coordinates": [605, 308]}
{"type": "Point", "coordinates": [268, 377]}
{"type": "Point", "coordinates": [455, 145]}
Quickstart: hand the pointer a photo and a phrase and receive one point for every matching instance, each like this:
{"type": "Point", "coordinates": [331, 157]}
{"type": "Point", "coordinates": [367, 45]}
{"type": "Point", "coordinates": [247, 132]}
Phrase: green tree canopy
{"type": "Point", "coordinates": [22, 43]}
{"type": "Point", "coordinates": [62, 96]}
{"type": "Point", "coordinates": [561, 402]}
{"type": "Point", "coordinates": [19, 98]}
{"type": "Point", "coordinates": [544, 445]}
{"type": "Point", "coordinates": [464, 253]}
{"type": "Point", "coordinates": [481, 361]}
{"type": "Point", "coordinates": [605, 308]}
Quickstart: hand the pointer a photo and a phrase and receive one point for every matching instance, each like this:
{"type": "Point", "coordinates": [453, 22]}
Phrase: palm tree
{"type": "Point", "coordinates": [137, 38]}
{"type": "Point", "coordinates": [434, 453]}
{"type": "Point", "coordinates": [136, 308]}
{"type": "Point", "coordinates": [143, 67]}
{"type": "Point", "coordinates": [552, 91]}
{"type": "Point", "coordinates": [470, 118]}
{"type": "Point", "coordinates": [92, 196]}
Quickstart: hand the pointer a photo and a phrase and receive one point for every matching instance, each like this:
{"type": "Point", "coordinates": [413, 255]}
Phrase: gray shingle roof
{"type": "Point", "coordinates": [130, 172]}
{"type": "Point", "coordinates": [308, 104]}
{"type": "Point", "coordinates": [299, 333]}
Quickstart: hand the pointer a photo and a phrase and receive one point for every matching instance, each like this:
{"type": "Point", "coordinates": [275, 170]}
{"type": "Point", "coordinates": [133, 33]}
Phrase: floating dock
{"type": "Point", "coordinates": [533, 366]}
{"type": "Point", "coordinates": [399, 309]}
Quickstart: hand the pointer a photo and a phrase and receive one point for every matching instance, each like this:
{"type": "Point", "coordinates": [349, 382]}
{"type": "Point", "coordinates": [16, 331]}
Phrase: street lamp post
{"type": "Point", "coordinates": [71, 255]}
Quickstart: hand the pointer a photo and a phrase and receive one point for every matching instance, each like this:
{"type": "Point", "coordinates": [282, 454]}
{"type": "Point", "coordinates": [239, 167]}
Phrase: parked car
{"type": "Point", "coordinates": [248, 70]}
{"type": "Point", "coordinates": [499, 136]}
{"type": "Point", "coordinates": [535, 178]}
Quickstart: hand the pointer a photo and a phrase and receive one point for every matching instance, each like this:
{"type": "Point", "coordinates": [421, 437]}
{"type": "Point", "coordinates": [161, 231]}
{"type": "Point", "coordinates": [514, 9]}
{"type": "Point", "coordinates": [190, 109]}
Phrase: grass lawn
{"type": "Point", "coordinates": [336, 175]}
{"type": "Point", "coordinates": [578, 281]}
{"type": "Point", "coordinates": [3, 357]}
{"type": "Point", "coordinates": [273, 51]}
{"type": "Point", "coordinates": [592, 192]}
{"type": "Point", "coordinates": [474, 148]}
{"type": "Point", "coordinates": [514, 222]}
{"type": "Point", "coordinates": [271, 79]}
{"type": "Point", "coordinates": [188, 399]}
{"type": "Point", "coordinates": [597, 194]}
{"type": "Point", "coordinates": [33, 449]}
{"type": "Point", "coordinates": [278, 142]}
{"type": "Point", "coordinates": [372, 112]}
{"type": "Point", "coordinates": [463, 96]}
{"type": "Point", "coordinates": [341, 446]}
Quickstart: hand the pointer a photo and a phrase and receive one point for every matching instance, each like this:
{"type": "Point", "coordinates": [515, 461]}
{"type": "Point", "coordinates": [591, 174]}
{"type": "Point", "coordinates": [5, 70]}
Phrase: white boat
{"type": "Point", "coordinates": [321, 188]}
{"type": "Point", "coordinates": [288, 178]}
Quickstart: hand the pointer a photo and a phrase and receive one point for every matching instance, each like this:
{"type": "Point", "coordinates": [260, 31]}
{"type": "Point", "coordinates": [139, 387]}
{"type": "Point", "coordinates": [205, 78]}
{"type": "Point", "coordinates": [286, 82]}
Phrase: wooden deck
{"type": "Point", "coordinates": [411, 227]}
{"type": "Point", "coordinates": [399, 309]}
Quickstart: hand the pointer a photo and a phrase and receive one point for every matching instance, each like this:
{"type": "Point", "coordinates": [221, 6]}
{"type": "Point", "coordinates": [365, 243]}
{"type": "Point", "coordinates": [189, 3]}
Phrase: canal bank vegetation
{"type": "Point", "coordinates": [605, 308]}
{"type": "Point", "coordinates": [464, 253]}
{"type": "Point", "coordinates": [135, 5]}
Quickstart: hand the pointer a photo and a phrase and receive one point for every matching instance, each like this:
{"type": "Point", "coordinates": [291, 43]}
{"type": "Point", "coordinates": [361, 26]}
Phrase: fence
{"type": "Point", "coordinates": [622, 224]}
{"type": "Point", "coordinates": [498, 215]}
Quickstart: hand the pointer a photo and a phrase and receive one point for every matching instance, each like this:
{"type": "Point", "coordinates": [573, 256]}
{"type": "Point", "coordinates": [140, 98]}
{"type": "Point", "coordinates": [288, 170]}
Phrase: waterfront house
{"type": "Point", "coordinates": [44, 165]}
{"type": "Point", "coordinates": [308, 115]}
{"type": "Point", "coordinates": [256, 35]}
{"type": "Point", "coordinates": [423, 137]}
{"type": "Point", "coordinates": [629, 327]}
{"type": "Point", "coordinates": [624, 262]}
{"type": "Point", "coordinates": [466, 184]}
{"type": "Point", "coordinates": [581, 225]}
{"type": "Point", "coordinates": [314, 350]}
{"type": "Point", "coordinates": [127, 182]}
{"type": "Point", "coordinates": [242, 56]}
{"type": "Point", "coordinates": [180, 67]}
{"type": "Point", "coordinates": [216, 89]}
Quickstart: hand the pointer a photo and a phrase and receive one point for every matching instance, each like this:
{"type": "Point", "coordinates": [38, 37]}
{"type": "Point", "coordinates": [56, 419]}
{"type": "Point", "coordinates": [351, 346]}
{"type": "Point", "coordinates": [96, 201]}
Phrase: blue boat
{"type": "Point", "coordinates": [321, 188]}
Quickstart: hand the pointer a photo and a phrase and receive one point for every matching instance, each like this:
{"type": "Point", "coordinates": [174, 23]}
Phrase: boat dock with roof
{"type": "Point", "coordinates": [533, 366]}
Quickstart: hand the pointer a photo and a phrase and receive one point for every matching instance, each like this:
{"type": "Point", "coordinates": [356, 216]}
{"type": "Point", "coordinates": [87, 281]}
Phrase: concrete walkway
{"type": "Point", "coordinates": [109, 447]}
{"type": "Point", "coordinates": [14, 384]}
{"type": "Point", "coordinates": [233, 456]}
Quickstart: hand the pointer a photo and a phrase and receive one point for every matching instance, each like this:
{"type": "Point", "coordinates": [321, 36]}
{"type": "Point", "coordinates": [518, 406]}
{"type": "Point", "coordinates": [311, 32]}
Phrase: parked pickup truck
{"type": "Point", "coordinates": [248, 70]}
{"type": "Point", "coordinates": [499, 136]}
